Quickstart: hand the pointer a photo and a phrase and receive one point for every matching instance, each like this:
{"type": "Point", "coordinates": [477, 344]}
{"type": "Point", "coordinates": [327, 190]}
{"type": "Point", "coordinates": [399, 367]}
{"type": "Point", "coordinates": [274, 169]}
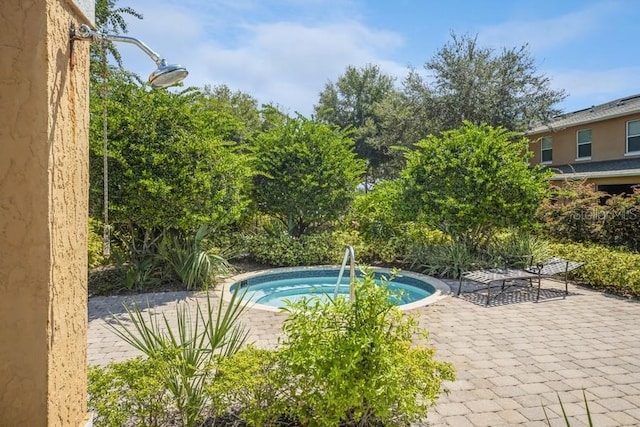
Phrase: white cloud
{"type": "Point", "coordinates": [586, 88]}
{"type": "Point", "coordinates": [289, 63]}
{"type": "Point", "coordinates": [543, 34]}
{"type": "Point", "coordinates": [285, 63]}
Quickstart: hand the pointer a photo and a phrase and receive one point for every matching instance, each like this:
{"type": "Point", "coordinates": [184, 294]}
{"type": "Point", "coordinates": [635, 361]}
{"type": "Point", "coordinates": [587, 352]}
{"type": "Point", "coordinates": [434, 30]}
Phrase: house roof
{"type": "Point", "coordinates": [603, 169]}
{"type": "Point", "coordinates": [616, 108]}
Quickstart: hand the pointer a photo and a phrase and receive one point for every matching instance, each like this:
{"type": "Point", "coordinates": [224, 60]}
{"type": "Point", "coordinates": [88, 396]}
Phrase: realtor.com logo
{"type": "Point", "coordinates": [598, 214]}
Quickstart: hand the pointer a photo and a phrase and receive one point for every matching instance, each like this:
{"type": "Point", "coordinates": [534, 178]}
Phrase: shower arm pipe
{"type": "Point", "coordinates": [352, 273]}
{"type": "Point", "coordinates": [84, 33]}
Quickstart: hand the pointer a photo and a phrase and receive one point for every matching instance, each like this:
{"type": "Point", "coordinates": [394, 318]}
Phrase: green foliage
{"type": "Point", "coordinates": [351, 103]}
{"type": "Point", "coordinates": [518, 248]}
{"type": "Point", "coordinates": [195, 266]}
{"type": "Point", "coordinates": [575, 212]}
{"type": "Point", "coordinates": [571, 212]}
{"type": "Point", "coordinates": [477, 84]}
{"type": "Point", "coordinates": [282, 250]}
{"type": "Point", "coordinates": [473, 181]}
{"type": "Point", "coordinates": [171, 166]}
{"type": "Point", "coordinates": [613, 270]}
{"type": "Point", "coordinates": [306, 174]}
{"type": "Point", "coordinates": [108, 19]}
{"type": "Point", "coordinates": [129, 392]}
{"type": "Point", "coordinates": [621, 221]}
{"type": "Point", "coordinates": [378, 214]}
{"type": "Point", "coordinates": [95, 245]}
{"type": "Point", "coordinates": [353, 364]}
{"type": "Point", "coordinates": [447, 259]}
{"type": "Point", "coordinates": [184, 354]}
{"type": "Point", "coordinates": [244, 383]}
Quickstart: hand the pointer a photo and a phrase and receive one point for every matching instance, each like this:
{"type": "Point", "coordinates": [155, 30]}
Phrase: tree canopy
{"type": "Point", "coordinates": [481, 85]}
{"type": "Point", "coordinates": [351, 104]}
{"type": "Point", "coordinates": [307, 173]}
{"type": "Point", "coordinates": [473, 180]}
{"type": "Point", "coordinates": [172, 165]}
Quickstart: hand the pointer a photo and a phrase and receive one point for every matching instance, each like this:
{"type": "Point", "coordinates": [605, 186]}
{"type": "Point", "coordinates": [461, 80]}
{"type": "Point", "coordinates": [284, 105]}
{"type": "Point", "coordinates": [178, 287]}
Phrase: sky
{"type": "Point", "coordinates": [284, 52]}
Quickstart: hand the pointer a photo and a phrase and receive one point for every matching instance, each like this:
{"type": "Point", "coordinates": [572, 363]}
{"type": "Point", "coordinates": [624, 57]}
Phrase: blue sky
{"type": "Point", "coordinates": [285, 51]}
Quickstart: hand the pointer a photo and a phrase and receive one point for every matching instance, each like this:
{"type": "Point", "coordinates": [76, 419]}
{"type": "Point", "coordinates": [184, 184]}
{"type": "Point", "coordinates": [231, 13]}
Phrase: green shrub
{"type": "Point", "coordinates": [518, 248]}
{"type": "Point", "coordinates": [129, 392]}
{"type": "Point", "coordinates": [473, 181]}
{"type": "Point", "coordinates": [448, 259]}
{"type": "Point", "coordinates": [614, 270]}
{"type": "Point", "coordinates": [351, 364]}
{"type": "Point", "coordinates": [572, 213]}
{"type": "Point", "coordinates": [187, 258]}
{"type": "Point", "coordinates": [95, 244]}
{"type": "Point", "coordinates": [621, 221]}
{"type": "Point", "coordinates": [243, 384]}
{"type": "Point", "coordinates": [183, 355]}
{"type": "Point", "coordinates": [283, 250]}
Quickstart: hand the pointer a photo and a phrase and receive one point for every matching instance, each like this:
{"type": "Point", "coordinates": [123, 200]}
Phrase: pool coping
{"type": "Point", "coordinates": [442, 290]}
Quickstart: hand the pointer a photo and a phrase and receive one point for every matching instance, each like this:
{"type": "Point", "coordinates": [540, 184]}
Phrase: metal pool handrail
{"type": "Point", "coordinates": [349, 253]}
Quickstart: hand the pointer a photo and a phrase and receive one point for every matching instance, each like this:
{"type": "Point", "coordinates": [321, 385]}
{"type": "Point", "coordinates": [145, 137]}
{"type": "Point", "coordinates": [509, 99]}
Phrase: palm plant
{"type": "Point", "coordinates": [186, 352]}
{"type": "Point", "coordinates": [194, 265]}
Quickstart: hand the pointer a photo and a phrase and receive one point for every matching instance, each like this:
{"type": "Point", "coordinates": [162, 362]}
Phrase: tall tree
{"type": "Point", "coordinates": [172, 166]}
{"type": "Point", "coordinates": [350, 103]}
{"type": "Point", "coordinates": [480, 85]}
{"type": "Point", "coordinates": [242, 107]}
{"type": "Point", "coordinates": [306, 174]}
{"type": "Point", "coordinates": [473, 180]}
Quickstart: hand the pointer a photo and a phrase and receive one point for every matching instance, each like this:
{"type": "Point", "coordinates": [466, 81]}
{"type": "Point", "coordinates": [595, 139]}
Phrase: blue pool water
{"type": "Point", "coordinates": [274, 289]}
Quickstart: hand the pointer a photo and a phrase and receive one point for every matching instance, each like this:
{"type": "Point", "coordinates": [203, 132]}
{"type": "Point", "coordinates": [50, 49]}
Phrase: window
{"type": "Point", "coordinates": [584, 144]}
{"type": "Point", "coordinates": [546, 153]}
{"type": "Point", "coordinates": [633, 137]}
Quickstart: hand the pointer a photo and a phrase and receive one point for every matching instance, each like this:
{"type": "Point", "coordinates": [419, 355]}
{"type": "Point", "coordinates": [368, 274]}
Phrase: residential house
{"type": "Point", "coordinates": [600, 144]}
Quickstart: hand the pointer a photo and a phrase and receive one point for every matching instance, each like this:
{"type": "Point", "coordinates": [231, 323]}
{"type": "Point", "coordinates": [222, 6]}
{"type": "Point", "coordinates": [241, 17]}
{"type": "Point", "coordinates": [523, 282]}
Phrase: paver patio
{"type": "Point", "coordinates": [511, 357]}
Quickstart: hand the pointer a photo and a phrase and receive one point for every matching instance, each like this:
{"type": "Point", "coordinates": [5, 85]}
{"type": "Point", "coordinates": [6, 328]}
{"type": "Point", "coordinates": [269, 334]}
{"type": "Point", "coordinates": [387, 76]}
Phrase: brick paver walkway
{"type": "Point", "coordinates": [511, 358]}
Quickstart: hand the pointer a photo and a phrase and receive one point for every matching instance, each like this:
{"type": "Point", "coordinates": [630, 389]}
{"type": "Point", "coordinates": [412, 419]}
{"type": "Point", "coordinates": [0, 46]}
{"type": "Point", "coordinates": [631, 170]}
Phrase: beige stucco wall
{"type": "Point", "coordinates": [43, 215]}
{"type": "Point", "coordinates": [608, 141]}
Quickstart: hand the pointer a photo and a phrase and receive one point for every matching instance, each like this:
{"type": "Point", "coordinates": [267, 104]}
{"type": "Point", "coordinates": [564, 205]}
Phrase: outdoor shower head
{"type": "Point", "coordinates": [164, 76]}
{"type": "Point", "coordinates": [167, 74]}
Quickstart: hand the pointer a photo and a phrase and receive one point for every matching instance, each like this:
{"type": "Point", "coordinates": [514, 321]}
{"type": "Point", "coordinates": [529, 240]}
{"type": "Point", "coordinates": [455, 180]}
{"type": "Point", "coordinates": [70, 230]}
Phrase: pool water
{"type": "Point", "coordinates": [276, 289]}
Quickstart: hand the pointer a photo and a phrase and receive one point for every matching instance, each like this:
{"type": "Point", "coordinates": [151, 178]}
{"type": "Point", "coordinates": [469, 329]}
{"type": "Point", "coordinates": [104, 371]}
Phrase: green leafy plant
{"type": "Point", "coordinates": [449, 259]}
{"type": "Point", "coordinates": [284, 250]}
{"type": "Point", "coordinates": [195, 266]}
{"type": "Point", "coordinates": [141, 273]}
{"type": "Point", "coordinates": [307, 173]}
{"type": "Point", "coordinates": [473, 181]}
{"type": "Point", "coordinates": [352, 364]}
{"type": "Point", "coordinates": [614, 270]}
{"type": "Point", "coordinates": [573, 212]}
{"type": "Point", "coordinates": [186, 352]}
{"type": "Point", "coordinates": [519, 248]}
{"type": "Point", "coordinates": [244, 383]}
{"type": "Point", "coordinates": [129, 392]}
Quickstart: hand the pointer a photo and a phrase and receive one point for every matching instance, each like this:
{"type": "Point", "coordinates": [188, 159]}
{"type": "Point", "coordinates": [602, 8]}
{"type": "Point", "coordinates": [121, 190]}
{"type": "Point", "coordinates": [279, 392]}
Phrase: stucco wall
{"type": "Point", "coordinates": [608, 141]}
{"type": "Point", "coordinates": [43, 215]}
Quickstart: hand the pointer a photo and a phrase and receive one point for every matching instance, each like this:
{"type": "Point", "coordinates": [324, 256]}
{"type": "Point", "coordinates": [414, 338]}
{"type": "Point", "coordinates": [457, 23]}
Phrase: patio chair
{"type": "Point", "coordinates": [510, 276]}
{"type": "Point", "coordinates": [552, 267]}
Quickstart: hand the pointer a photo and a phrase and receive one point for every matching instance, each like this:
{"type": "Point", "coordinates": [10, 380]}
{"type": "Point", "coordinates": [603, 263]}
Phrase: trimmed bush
{"type": "Point", "coordinates": [353, 364]}
{"type": "Point", "coordinates": [613, 270]}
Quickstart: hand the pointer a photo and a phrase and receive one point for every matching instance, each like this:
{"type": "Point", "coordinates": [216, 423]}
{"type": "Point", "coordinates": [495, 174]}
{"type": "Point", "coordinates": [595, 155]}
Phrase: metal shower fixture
{"type": "Point", "coordinates": [164, 76]}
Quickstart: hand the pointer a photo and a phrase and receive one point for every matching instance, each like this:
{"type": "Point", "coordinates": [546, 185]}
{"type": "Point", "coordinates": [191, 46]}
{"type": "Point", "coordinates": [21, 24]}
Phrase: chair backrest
{"type": "Point", "coordinates": [557, 265]}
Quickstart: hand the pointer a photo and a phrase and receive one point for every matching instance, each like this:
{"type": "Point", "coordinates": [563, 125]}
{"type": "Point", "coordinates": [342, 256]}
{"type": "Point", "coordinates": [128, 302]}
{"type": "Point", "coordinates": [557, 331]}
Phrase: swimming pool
{"type": "Point", "coordinates": [270, 289]}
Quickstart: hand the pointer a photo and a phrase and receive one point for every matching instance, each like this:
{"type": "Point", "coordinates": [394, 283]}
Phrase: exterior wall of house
{"type": "Point", "coordinates": [44, 120]}
{"type": "Point", "coordinates": [608, 141]}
